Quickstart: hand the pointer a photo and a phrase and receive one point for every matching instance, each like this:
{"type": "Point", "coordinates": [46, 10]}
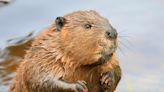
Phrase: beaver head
{"type": "Point", "coordinates": [87, 37]}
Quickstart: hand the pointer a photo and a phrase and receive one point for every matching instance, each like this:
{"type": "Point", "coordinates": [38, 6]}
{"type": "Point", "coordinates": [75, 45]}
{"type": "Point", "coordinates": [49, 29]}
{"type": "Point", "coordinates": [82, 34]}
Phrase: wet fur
{"type": "Point", "coordinates": [56, 59]}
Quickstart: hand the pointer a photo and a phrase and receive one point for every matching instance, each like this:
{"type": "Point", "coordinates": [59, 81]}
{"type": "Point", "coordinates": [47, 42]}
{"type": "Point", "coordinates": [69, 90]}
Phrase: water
{"type": "Point", "coordinates": [140, 24]}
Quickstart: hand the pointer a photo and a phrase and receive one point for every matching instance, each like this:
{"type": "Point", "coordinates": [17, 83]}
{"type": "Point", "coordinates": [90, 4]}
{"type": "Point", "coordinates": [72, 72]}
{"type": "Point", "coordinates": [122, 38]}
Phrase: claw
{"type": "Point", "coordinates": [107, 80]}
{"type": "Point", "coordinates": [81, 86]}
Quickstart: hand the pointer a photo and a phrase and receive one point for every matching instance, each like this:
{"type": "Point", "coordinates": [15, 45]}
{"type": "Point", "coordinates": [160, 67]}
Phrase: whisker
{"type": "Point", "coordinates": [121, 51]}
{"type": "Point", "coordinates": [122, 31]}
{"type": "Point", "coordinates": [121, 43]}
{"type": "Point", "coordinates": [124, 36]}
{"type": "Point", "coordinates": [126, 41]}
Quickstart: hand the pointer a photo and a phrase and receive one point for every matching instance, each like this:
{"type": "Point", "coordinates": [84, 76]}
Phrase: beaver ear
{"type": "Point", "coordinates": [59, 22]}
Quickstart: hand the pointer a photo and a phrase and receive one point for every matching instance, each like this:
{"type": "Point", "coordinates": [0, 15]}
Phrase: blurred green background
{"type": "Point", "coordinates": [140, 24]}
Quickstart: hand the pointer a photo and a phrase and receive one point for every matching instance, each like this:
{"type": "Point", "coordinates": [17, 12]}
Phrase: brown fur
{"type": "Point", "coordinates": [68, 56]}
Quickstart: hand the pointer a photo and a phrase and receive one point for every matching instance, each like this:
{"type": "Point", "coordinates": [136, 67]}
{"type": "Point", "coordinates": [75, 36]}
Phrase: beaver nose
{"type": "Point", "coordinates": [112, 34]}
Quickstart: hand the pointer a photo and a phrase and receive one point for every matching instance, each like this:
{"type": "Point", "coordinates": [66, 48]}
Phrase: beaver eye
{"type": "Point", "coordinates": [88, 26]}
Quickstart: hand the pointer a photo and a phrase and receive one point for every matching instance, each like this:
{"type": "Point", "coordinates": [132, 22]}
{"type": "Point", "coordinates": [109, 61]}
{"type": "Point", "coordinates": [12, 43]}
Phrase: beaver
{"type": "Point", "coordinates": [75, 54]}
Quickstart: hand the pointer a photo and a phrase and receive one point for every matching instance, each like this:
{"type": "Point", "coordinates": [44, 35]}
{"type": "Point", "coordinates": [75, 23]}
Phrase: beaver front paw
{"type": "Point", "coordinates": [80, 86]}
{"type": "Point", "coordinates": [107, 80]}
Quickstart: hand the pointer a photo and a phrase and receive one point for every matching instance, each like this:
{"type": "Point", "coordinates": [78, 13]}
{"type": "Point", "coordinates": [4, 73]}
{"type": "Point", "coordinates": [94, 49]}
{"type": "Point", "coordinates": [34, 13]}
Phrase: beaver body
{"type": "Point", "coordinates": [76, 54]}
